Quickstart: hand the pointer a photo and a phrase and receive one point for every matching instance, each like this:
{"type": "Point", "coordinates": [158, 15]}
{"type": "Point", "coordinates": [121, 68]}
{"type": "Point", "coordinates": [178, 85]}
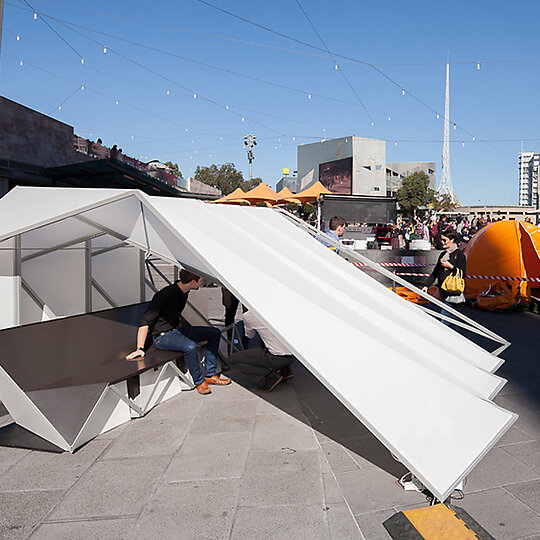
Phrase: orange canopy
{"type": "Point", "coordinates": [312, 193]}
{"type": "Point", "coordinates": [261, 193]}
{"type": "Point", "coordinates": [286, 196]}
{"type": "Point", "coordinates": [236, 194]}
{"type": "Point", "coordinates": [505, 249]}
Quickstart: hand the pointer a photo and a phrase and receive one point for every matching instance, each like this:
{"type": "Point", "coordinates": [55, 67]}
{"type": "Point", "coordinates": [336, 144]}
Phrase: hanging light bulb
{"type": "Point", "coordinates": [336, 66]}
{"type": "Point", "coordinates": [192, 141]}
{"type": "Point", "coordinates": [168, 92]}
{"type": "Point", "coordinates": [35, 15]}
{"type": "Point", "coordinates": [82, 87]}
{"type": "Point", "coordinates": [221, 138]}
{"type": "Point", "coordinates": [463, 144]}
{"type": "Point", "coordinates": [117, 102]}
{"type": "Point", "coordinates": [275, 147]}
{"type": "Point", "coordinates": [403, 91]}
{"type": "Point", "coordinates": [294, 138]}
{"type": "Point", "coordinates": [243, 118]}
{"type": "Point", "coordinates": [194, 96]}
{"type": "Point", "coordinates": [18, 37]}
{"type": "Point", "coordinates": [227, 107]}
{"type": "Point", "coordinates": [372, 124]}
{"type": "Point", "coordinates": [309, 96]}
{"type": "Point", "coordinates": [279, 140]}
{"type": "Point", "coordinates": [133, 136]}
{"type": "Point", "coordinates": [186, 130]}
{"type": "Point", "coordinates": [389, 118]}
{"type": "Point", "coordinates": [455, 125]}
{"type": "Point", "coordinates": [82, 60]}
{"type": "Point", "coordinates": [59, 107]}
{"type": "Point", "coordinates": [395, 143]}
{"type": "Point", "coordinates": [477, 66]}
{"type": "Point", "coordinates": [21, 63]}
{"type": "Point", "coordinates": [474, 138]}
{"type": "Point", "coordinates": [438, 116]}
{"type": "Point", "coordinates": [104, 49]}
{"type": "Point", "coordinates": [324, 130]}
{"type": "Point", "coordinates": [209, 155]}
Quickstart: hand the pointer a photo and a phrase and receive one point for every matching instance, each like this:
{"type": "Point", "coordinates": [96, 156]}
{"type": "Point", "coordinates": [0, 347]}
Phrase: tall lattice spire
{"type": "Point", "coordinates": [445, 187]}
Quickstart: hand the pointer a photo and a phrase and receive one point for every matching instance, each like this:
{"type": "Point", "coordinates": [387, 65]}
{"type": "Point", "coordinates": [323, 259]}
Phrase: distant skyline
{"type": "Point", "coordinates": [185, 81]}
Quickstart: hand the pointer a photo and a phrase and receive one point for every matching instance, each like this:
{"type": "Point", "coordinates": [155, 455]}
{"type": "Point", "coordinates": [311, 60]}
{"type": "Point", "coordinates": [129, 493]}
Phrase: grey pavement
{"type": "Point", "coordinates": [244, 464]}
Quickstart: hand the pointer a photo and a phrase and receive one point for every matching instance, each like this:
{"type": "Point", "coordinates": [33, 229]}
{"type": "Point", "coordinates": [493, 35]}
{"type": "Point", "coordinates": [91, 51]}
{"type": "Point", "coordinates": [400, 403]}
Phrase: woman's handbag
{"type": "Point", "coordinates": [454, 284]}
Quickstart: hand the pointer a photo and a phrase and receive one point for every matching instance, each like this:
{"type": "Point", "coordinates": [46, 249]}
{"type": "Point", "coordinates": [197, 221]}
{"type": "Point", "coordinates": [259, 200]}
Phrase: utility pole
{"type": "Point", "coordinates": [249, 142]}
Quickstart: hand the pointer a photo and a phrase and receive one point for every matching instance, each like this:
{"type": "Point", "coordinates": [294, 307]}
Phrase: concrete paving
{"type": "Point", "coordinates": [243, 464]}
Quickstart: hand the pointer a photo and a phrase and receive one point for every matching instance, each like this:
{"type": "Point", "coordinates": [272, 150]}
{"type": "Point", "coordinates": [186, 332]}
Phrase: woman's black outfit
{"type": "Point", "coordinates": [457, 259]}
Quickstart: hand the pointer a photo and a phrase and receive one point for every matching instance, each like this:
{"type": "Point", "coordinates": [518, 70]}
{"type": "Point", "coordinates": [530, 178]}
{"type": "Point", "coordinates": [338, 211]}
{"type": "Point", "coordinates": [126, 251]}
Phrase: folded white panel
{"type": "Point", "coordinates": [438, 428]}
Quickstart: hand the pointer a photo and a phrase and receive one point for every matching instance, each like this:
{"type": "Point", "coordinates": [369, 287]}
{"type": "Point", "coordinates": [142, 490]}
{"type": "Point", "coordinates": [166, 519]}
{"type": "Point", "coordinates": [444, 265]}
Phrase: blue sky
{"type": "Point", "coordinates": [407, 41]}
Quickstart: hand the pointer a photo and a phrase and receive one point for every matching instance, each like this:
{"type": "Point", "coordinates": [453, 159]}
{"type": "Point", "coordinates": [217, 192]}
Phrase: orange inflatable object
{"type": "Point", "coordinates": [411, 296]}
{"type": "Point", "coordinates": [506, 249]}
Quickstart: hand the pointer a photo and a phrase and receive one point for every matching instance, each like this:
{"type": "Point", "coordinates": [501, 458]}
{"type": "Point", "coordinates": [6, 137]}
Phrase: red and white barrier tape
{"type": "Point", "coordinates": [497, 278]}
{"type": "Point", "coordinates": [396, 264]}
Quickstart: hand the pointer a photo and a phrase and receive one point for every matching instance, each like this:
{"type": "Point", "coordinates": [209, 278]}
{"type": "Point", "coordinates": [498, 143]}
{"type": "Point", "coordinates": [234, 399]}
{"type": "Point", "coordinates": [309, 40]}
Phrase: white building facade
{"type": "Point", "coordinates": [528, 179]}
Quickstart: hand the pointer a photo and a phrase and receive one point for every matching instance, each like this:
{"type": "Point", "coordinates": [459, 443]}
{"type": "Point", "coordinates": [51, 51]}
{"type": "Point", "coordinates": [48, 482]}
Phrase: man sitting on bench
{"type": "Point", "coordinates": [163, 317]}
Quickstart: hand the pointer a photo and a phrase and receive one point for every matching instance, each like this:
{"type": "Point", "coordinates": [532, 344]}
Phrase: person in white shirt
{"type": "Point", "coordinates": [271, 364]}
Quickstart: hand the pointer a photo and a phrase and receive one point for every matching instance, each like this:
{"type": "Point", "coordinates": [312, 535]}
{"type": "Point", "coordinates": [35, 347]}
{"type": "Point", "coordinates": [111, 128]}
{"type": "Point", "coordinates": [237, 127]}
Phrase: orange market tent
{"type": "Point", "coordinates": [231, 197]}
{"type": "Point", "coordinates": [504, 249]}
{"type": "Point", "coordinates": [287, 196]}
{"type": "Point", "coordinates": [312, 193]}
{"type": "Point", "coordinates": [261, 193]}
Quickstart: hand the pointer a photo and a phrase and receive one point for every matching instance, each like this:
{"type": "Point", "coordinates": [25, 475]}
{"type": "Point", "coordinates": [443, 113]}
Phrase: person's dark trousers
{"type": "Point", "coordinates": [185, 340]}
{"type": "Point", "coordinates": [230, 313]}
{"type": "Point", "coordinates": [258, 362]}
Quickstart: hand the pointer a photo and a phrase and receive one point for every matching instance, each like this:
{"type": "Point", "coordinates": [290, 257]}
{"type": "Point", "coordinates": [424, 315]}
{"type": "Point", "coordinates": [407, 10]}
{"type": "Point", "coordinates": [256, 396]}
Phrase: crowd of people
{"type": "Point", "coordinates": [431, 229]}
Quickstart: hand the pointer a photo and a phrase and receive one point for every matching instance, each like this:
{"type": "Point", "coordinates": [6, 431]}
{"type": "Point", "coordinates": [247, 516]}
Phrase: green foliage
{"type": "Point", "coordinates": [261, 204]}
{"type": "Point", "coordinates": [443, 203]}
{"type": "Point", "coordinates": [292, 207]}
{"type": "Point", "coordinates": [308, 209]}
{"type": "Point", "coordinates": [174, 169]}
{"type": "Point", "coordinates": [414, 192]}
{"type": "Point", "coordinates": [226, 178]}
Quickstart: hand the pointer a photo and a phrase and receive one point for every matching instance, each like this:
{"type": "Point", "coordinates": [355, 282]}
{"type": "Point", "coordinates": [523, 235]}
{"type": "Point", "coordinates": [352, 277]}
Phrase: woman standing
{"type": "Point", "coordinates": [450, 261]}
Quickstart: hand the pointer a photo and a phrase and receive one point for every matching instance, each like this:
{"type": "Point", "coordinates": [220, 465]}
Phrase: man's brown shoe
{"type": "Point", "coordinates": [203, 388]}
{"type": "Point", "coordinates": [216, 379]}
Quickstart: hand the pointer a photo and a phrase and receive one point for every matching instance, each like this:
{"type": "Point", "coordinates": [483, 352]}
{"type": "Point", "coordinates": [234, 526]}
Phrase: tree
{"type": "Point", "coordinates": [443, 203]}
{"type": "Point", "coordinates": [226, 178]}
{"type": "Point", "coordinates": [414, 192]}
{"type": "Point", "coordinates": [292, 207]}
{"type": "Point", "coordinates": [174, 169]}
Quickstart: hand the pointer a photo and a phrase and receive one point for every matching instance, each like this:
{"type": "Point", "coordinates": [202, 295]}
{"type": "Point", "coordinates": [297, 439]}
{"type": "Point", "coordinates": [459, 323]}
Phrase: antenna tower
{"type": "Point", "coordinates": [445, 187]}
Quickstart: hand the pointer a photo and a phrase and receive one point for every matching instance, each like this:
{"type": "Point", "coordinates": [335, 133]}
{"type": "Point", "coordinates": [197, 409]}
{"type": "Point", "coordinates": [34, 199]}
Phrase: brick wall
{"type": "Point", "coordinates": [31, 137]}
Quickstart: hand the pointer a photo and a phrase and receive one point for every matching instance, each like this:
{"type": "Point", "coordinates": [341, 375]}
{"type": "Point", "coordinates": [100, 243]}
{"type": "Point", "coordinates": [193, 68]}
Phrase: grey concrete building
{"type": "Point", "coordinates": [355, 166]}
{"type": "Point", "coordinates": [291, 182]}
{"type": "Point", "coordinates": [396, 172]}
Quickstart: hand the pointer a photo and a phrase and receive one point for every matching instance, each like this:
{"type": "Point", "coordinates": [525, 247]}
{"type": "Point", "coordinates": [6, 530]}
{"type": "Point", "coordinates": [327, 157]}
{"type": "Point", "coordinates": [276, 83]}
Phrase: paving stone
{"type": "Point", "coordinates": [281, 522]}
{"type": "Point", "coordinates": [182, 406]}
{"type": "Point", "coordinates": [225, 417]}
{"type": "Point", "coordinates": [190, 511]}
{"type": "Point", "coordinates": [528, 493]}
{"type": "Point", "coordinates": [331, 489]}
{"type": "Point", "coordinates": [149, 437]}
{"type": "Point", "coordinates": [339, 459]}
{"type": "Point", "coordinates": [374, 489]}
{"type": "Point", "coordinates": [112, 488]}
{"type": "Point", "coordinates": [527, 452]}
{"type": "Point", "coordinates": [342, 523]}
{"type": "Point", "coordinates": [273, 432]}
{"type": "Point", "coordinates": [290, 487]}
{"type": "Point", "coordinates": [514, 435]}
{"type": "Point", "coordinates": [371, 524]}
{"type": "Point", "coordinates": [113, 433]}
{"type": "Point", "coordinates": [496, 469]}
{"type": "Point", "coordinates": [283, 399]}
{"type": "Point", "coordinates": [338, 427]}
{"type": "Point", "coordinates": [8, 458]}
{"type": "Point", "coordinates": [111, 529]}
{"type": "Point", "coordinates": [21, 511]}
{"type": "Point", "coordinates": [210, 456]}
{"type": "Point", "coordinates": [286, 459]}
{"type": "Point", "coordinates": [501, 514]}
{"type": "Point", "coordinates": [45, 470]}
{"type": "Point", "coordinates": [230, 392]}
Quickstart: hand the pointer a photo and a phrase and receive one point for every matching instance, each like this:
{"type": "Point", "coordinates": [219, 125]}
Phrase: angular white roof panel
{"type": "Point", "coordinates": [421, 388]}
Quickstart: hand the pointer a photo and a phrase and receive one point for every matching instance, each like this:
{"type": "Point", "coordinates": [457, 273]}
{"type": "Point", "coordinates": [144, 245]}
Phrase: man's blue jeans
{"type": "Point", "coordinates": [185, 340]}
